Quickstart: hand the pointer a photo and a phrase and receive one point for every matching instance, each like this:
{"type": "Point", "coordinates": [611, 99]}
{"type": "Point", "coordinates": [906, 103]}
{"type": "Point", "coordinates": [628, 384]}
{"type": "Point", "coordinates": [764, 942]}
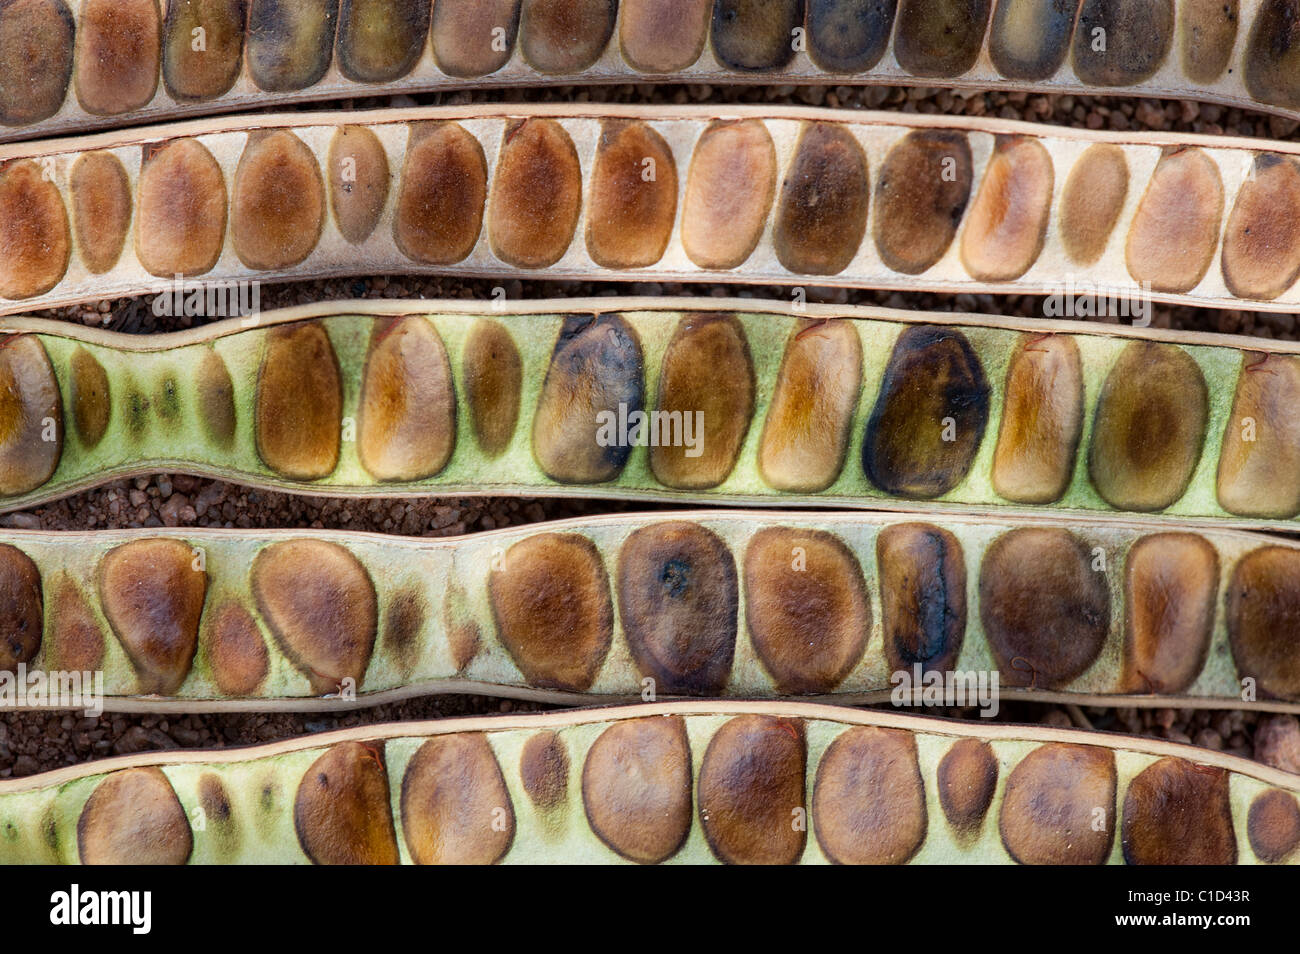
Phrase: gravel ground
{"type": "Point", "coordinates": [33, 742]}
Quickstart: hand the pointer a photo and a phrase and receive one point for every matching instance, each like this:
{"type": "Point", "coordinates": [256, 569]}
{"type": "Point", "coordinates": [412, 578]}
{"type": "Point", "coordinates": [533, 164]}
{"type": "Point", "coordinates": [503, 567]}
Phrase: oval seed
{"type": "Point", "coordinates": [100, 194]}
{"type": "Point", "coordinates": [196, 75]}
{"type": "Point", "coordinates": [940, 37]}
{"type": "Point", "coordinates": [729, 190]}
{"type": "Point", "coordinates": [544, 770]}
{"type": "Point", "coordinates": [822, 214]}
{"type": "Point", "coordinates": [1029, 39]}
{"type": "Point", "coordinates": [1122, 42]}
{"type": "Point", "coordinates": [1049, 812]}
{"type": "Point", "coordinates": [565, 36]}
{"type": "Point", "coordinates": [455, 806]}
{"type": "Point", "coordinates": [1262, 602]}
{"type": "Point", "coordinates": [118, 53]}
{"type": "Point", "coordinates": [663, 36]}
{"type": "Point", "coordinates": [290, 42]}
{"type": "Point", "coordinates": [1209, 32]}
{"type": "Point", "coordinates": [31, 416]}
{"type": "Point", "coordinates": [1170, 584]}
{"type": "Point", "coordinates": [966, 779]}
{"type": "Point", "coordinates": [76, 642]}
{"type": "Point", "coordinates": [923, 596]}
{"type": "Point", "coordinates": [921, 195]}
{"type": "Point", "coordinates": [358, 182]}
{"type": "Point", "coordinates": [1008, 221]}
{"type": "Point", "coordinates": [441, 195]}
{"type": "Point", "coordinates": [536, 194]}
{"type": "Point", "coordinates": [1175, 230]}
{"type": "Point", "coordinates": [133, 817]}
{"type": "Point", "coordinates": [277, 206]}
{"type": "Point", "coordinates": [380, 41]}
{"type": "Point", "coordinates": [1273, 54]}
{"type": "Point", "coordinates": [753, 35]}
{"type": "Point", "coordinates": [216, 399]}
{"type": "Point", "coordinates": [180, 223]}
{"type": "Point", "coordinates": [21, 608]}
{"type": "Point", "coordinates": [465, 35]}
{"type": "Point", "coordinates": [849, 36]}
{"type": "Point", "coordinates": [36, 44]}
{"type": "Point", "coordinates": [1261, 253]}
{"type": "Point", "coordinates": [1259, 459]}
{"type": "Point", "coordinates": [1178, 813]}
{"type": "Point", "coordinates": [92, 402]}
{"type": "Point", "coordinates": [493, 374]}
{"type": "Point", "coordinates": [34, 232]}
{"type": "Point", "coordinates": [235, 650]}
{"type": "Point", "coordinates": [299, 404]}
{"type": "Point", "coordinates": [1091, 201]}
{"type": "Point", "coordinates": [632, 201]}
{"type": "Point", "coordinates": [341, 811]}
{"type": "Point", "coordinates": [1273, 826]}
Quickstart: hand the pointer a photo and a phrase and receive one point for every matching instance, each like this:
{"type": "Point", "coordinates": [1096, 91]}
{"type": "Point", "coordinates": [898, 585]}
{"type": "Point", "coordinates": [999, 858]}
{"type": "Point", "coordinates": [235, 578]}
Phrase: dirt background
{"type": "Point", "coordinates": [37, 741]}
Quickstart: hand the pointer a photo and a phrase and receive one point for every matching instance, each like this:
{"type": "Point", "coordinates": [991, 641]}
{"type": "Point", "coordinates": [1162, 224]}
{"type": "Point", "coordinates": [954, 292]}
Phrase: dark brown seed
{"type": "Point", "coordinates": [806, 606]}
{"type": "Point", "coordinates": [1045, 610]}
{"type": "Point", "coordinates": [536, 194]}
{"type": "Point", "coordinates": [320, 605]}
{"type": "Point", "coordinates": [663, 36]}
{"type": "Point", "coordinates": [290, 42]}
{"type": "Point", "coordinates": [923, 596]}
{"type": "Point", "coordinates": [967, 779]}
{"type": "Point", "coordinates": [406, 423]}
{"type": "Point", "coordinates": [1059, 806]}
{"type": "Point", "coordinates": [636, 787]}
{"type": "Point", "coordinates": [465, 37]}
{"type": "Point", "coordinates": [553, 613]}
{"type": "Point", "coordinates": [921, 194]}
{"type": "Point", "coordinates": [341, 811]}
{"type": "Point", "coordinates": [277, 206]}
{"type": "Point", "coordinates": [456, 809]}
{"type": "Point", "coordinates": [22, 610]}
{"type": "Point", "coordinates": [729, 191]}
{"type": "Point", "coordinates": [595, 377]}
{"type": "Point", "coordinates": [133, 817]}
{"type": "Point", "coordinates": [92, 403]}
{"type": "Point", "coordinates": [202, 47]}
{"type": "Point", "coordinates": [806, 432]}
{"type": "Point", "coordinates": [440, 198]}
{"type": "Point", "coordinates": [751, 791]}
{"type": "Point", "coordinates": [1273, 54]}
{"type": "Point", "coordinates": [358, 181]}
{"type": "Point", "coordinates": [677, 599]}
{"type": "Point", "coordinates": [1178, 813]}
{"type": "Point", "coordinates": [702, 426]}
{"type": "Point", "coordinates": [31, 416]}
{"type": "Point", "coordinates": [868, 804]}
{"type": "Point", "coordinates": [1209, 31]}
{"type": "Point", "coordinates": [544, 770]}
{"type": "Point", "coordinates": [180, 221]}
{"type": "Point", "coordinates": [1259, 462]}
{"type": "Point", "coordinates": [1273, 826]}
{"type": "Point", "coordinates": [1175, 230]}
{"type": "Point", "coordinates": [1042, 419]}
{"type": "Point", "coordinates": [216, 399]}
{"type": "Point", "coordinates": [118, 51]}
{"type": "Point", "coordinates": [1170, 584]}
{"type": "Point", "coordinates": [752, 35]}
{"type": "Point", "coordinates": [100, 194]}
{"type": "Point", "coordinates": [36, 42]}
{"type": "Point", "coordinates": [76, 642]}
{"type": "Point", "coordinates": [565, 36]}
{"type": "Point", "coordinates": [1030, 38]}
{"type": "Point", "coordinates": [1008, 222]}
{"type": "Point", "coordinates": [930, 414]}
{"type": "Point", "coordinates": [405, 617]}
{"type": "Point", "coordinates": [822, 214]}
{"type": "Point", "coordinates": [940, 37]}
{"type": "Point", "coordinates": [1092, 200]}
{"type": "Point", "coordinates": [493, 374]}
{"type": "Point", "coordinates": [1149, 427]}
{"type": "Point", "coordinates": [1263, 602]}
{"type": "Point", "coordinates": [152, 592]}
{"type": "Point", "coordinates": [299, 405]}
{"type": "Point", "coordinates": [236, 651]}
{"type": "Point", "coordinates": [632, 201]}
{"type": "Point", "coordinates": [34, 232]}
{"type": "Point", "coordinates": [380, 40]}
{"type": "Point", "coordinates": [1122, 42]}
{"type": "Point", "coordinates": [1261, 251]}
{"type": "Point", "coordinates": [849, 36]}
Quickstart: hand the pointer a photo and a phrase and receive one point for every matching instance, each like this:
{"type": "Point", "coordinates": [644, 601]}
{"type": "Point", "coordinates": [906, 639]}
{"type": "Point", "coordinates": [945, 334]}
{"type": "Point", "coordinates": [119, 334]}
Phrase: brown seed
{"type": "Point", "coordinates": [299, 405]}
{"type": "Point", "coordinates": [463, 635]}
{"type": "Point", "coordinates": [118, 51]}
{"type": "Point", "coordinates": [677, 599]}
{"type": "Point", "coordinates": [195, 75]}
{"type": "Point", "coordinates": [636, 788]}
{"type": "Point", "coordinates": [1092, 200]}
{"type": "Point", "coordinates": [180, 223]}
{"type": "Point", "coordinates": [806, 432]}
{"type": "Point", "coordinates": [21, 608]}
{"type": "Point", "coordinates": [1273, 826]}
{"type": "Point", "coordinates": [751, 791]}
{"type": "Point", "coordinates": [596, 374]}
{"type": "Point", "coordinates": [406, 424]}
{"type": "Point", "coordinates": [1259, 462]}
{"type": "Point", "coordinates": [1008, 222]}
{"type": "Point", "coordinates": [133, 817]}
{"type": "Point", "coordinates": [1178, 813]}
{"type": "Point", "coordinates": [923, 596]}
{"type": "Point", "coordinates": [440, 197]}
{"type": "Point", "coordinates": [216, 399]}
{"type": "Point", "coordinates": [36, 41]}
{"type": "Point", "coordinates": [544, 770]}
{"type": "Point", "coordinates": [702, 426]}
{"type": "Point", "coordinates": [822, 215]}
{"type": "Point", "coordinates": [152, 592]}
{"type": "Point", "coordinates": [1135, 38]}
{"type": "Point", "coordinates": [1042, 419]}
{"type": "Point", "coordinates": [1261, 253]}
{"type": "Point", "coordinates": [76, 642]}
{"type": "Point", "coordinates": [930, 414]}
{"type": "Point", "coordinates": [100, 194]}
{"type": "Point", "coordinates": [663, 36]}
{"type": "Point", "coordinates": [806, 606]}
{"type": "Point", "coordinates": [278, 204]}
{"type": "Point", "coordinates": [755, 34]}
{"type": "Point", "coordinates": [1046, 612]}
{"type": "Point", "coordinates": [290, 42]}
{"type": "Point", "coordinates": [319, 602]}
{"type": "Point", "coordinates": [380, 41]}
{"type": "Point", "coordinates": [1175, 230]}
{"type": "Point", "coordinates": [358, 181]}
{"type": "Point", "coordinates": [236, 651]}
{"type": "Point", "coordinates": [1148, 428]}
{"type": "Point", "coordinates": [967, 779]}
{"type": "Point", "coordinates": [1262, 603]}
{"type": "Point", "coordinates": [31, 416]}
{"type": "Point", "coordinates": [1209, 32]}
{"type": "Point", "coordinates": [34, 234]}
{"type": "Point", "coordinates": [1272, 54]}
{"type": "Point", "coordinates": [493, 374]}
{"type": "Point", "coordinates": [868, 804]}
{"type": "Point", "coordinates": [1170, 584]}
{"type": "Point", "coordinates": [91, 396]}
{"type": "Point", "coordinates": [536, 194]}
{"type": "Point", "coordinates": [1050, 808]}
{"type": "Point", "coordinates": [465, 34]}
{"type": "Point", "coordinates": [1029, 39]}
{"type": "Point", "coordinates": [849, 36]}
{"type": "Point", "coordinates": [729, 190]}
{"type": "Point", "coordinates": [632, 201]}
{"type": "Point", "coordinates": [940, 37]}
{"type": "Point", "coordinates": [456, 809]}
{"type": "Point", "coordinates": [553, 613]}
{"type": "Point", "coordinates": [921, 194]}
{"type": "Point", "coordinates": [405, 617]}
{"type": "Point", "coordinates": [341, 811]}
{"type": "Point", "coordinates": [565, 36]}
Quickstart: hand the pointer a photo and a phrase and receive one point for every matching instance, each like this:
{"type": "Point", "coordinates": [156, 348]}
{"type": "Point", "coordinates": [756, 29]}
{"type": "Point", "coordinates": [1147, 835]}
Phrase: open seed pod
{"type": "Point", "coordinates": [770, 196]}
